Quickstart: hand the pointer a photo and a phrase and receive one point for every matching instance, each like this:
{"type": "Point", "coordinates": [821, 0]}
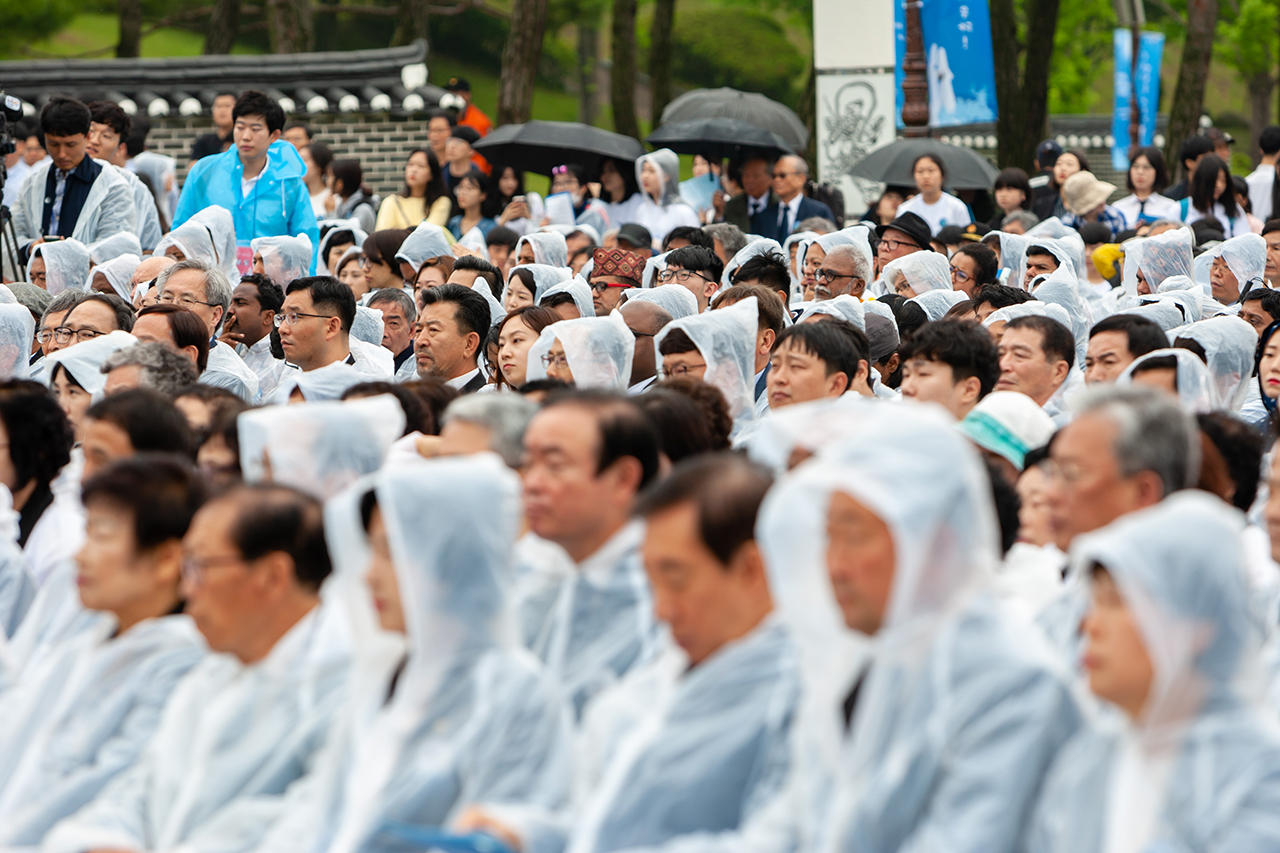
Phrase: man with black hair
{"type": "Point", "coordinates": [1260, 308]}
{"type": "Point", "coordinates": [210, 144]}
{"type": "Point", "coordinates": [202, 288]}
{"type": "Point", "coordinates": [1039, 261]}
{"type": "Point", "coordinates": [949, 362]}
{"type": "Point", "coordinates": [452, 324]}
{"type": "Point", "coordinates": [439, 128]}
{"type": "Point", "coordinates": [1190, 153]}
{"type": "Point", "coordinates": [1035, 360]}
{"type": "Point", "coordinates": [993, 297]}
{"type": "Point", "coordinates": [1117, 341]}
{"type": "Point", "coordinates": [71, 195]}
{"type": "Point", "coordinates": [468, 268]}
{"type": "Point", "coordinates": [297, 134]}
{"type": "Point", "coordinates": [109, 127]}
{"type": "Point", "coordinates": [251, 319]}
{"type": "Point", "coordinates": [315, 323]}
{"type": "Point", "coordinates": [812, 361]}
{"type": "Point", "coordinates": [687, 235]}
{"type": "Point", "coordinates": [769, 270]}
{"type": "Point", "coordinates": [771, 314]}
{"type": "Point", "coordinates": [259, 179]}
{"type": "Point", "coordinates": [587, 454]}
{"type": "Point", "coordinates": [132, 422]}
{"type": "Point", "coordinates": [501, 242]}
{"type": "Point", "coordinates": [95, 315]}
{"type": "Point", "coordinates": [695, 268]}
{"type": "Point", "coordinates": [746, 210]}
{"type": "Point", "coordinates": [1271, 233]}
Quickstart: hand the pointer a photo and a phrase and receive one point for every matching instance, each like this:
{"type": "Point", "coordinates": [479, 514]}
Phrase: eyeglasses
{"type": "Point", "coordinates": [193, 570]}
{"type": "Point", "coordinates": [894, 245]}
{"type": "Point", "coordinates": [63, 335]}
{"type": "Point", "coordinates": [291, 318]}
{"type": "Point", "coordinates": [560, 362]}
{"type": "Point", "coordinates": [959, 274]}
{"type": "Point", "coordinates": [682, 276]}
{"type": "Point", "coordinates": [681, 370]}
{"type": "Point", "coordinates": [185, 299]}
{"type": "Point", "coordinates": [640, 335]}
{"type": "Point", "coordinates": [831, 275]}
{"type": "Point", "coordinates": [785, 174]}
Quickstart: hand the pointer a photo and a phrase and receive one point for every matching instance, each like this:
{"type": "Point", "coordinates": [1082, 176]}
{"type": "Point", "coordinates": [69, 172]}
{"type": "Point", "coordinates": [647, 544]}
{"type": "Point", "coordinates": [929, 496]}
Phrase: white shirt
{"type": "Point", "coordinates": [247, 184]}
{"type": "Point", "coordinates": [642, 386]}
{"type": "Point", "coordinates": [947, 210]}
{"type": "Point", "coordinates": [458, 381]}
{"type": "Point", "coordinates": [788, 213]}
{"type": "Point", "coordinates": [755, 205]}
{"type": "Point", "coordinates": [1231, 227]}
{"type": "Point", "coordinates": [260, 360]}
{"type": "Point", "coordinates": [1260, 181]}
{"type": "Point", "coordinates": [317, 203]}
{"type": "Point", "coordinates": [1155, 207]}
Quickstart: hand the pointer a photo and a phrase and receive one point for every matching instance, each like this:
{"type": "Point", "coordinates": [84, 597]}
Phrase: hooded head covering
{"type": "Point", "coordinates": [284, 258]}
{"type": "Point", "coordinates": [426, 242]}
{"type": "Point", "coordinates": [350, 227]}
{"type": "Point", "coordinates": [1033, 308]}
{"type": "Point", "coordinates": [191, 238]}
{"type": "Point", "coordinates": [762, 246]}
{"type": "Point", "coordinates": [599, 351]}
{"type": "Point", "coordinates": [1229, 344]}
{"type": "Point", "coordinates": [222, 229]}
{"type": "Point", "coordinates": [549, 248]}
{"type": "Point", "coordinates": [653, 266]}
{"type": "Point", "coordinates": [17, 330]}
{"type": "Point", "coordinates": [114, 246]}
{"type": "Point", "coordinates": [84, 361]}
{"type": "Point", "coordinates": [677, 299]}
{"type": "Point", "coordinates": [1013, 255]}
{"type": "Point", "coordinates": [324, 383]}
{"type": "Point", "coordinates": [667, 162]}
{"type": "Point", "coordinates": [855, 235]}
{"type": "Point", "coordinates": [846, 308]}
{"type": "Point", "coordinates": [496, 311]}
{"type": "Point", "coordinates": [543, 278]}
{"type": "Point", "coordinates": [119, 273]}
{"type": "Point", "coordinates": [66, 265]}
{"type": "Point", "coordinates": [367, 325]}
{"type": "Point", "coordinates": [1164, 313]}
{"type": "Point", "coordinates": [319, 448]}
{"type": "Point", "coordinates": [1187, 302]}
{"type": "Point", "coordinates": [1178, 283]}
{"type": "Point", "coordinates": [1164, 256]}
{"type": "Point", "coordinates": [1062, 288]}
{"type": "Point", "coordinates": [936, 303]}
{"type": "Point", "coordinates": [578, 289]}
{"type": "Point", "coordinates": [804, 237]}
{"type": "Point", "coordinates": [922, 271]}
{"type": "Point", "coordinates": [1196, 391]}
{"type": "Point", "coordinates": [726, 340]}
{"type": "Point", "coordinates": [1246, 257]}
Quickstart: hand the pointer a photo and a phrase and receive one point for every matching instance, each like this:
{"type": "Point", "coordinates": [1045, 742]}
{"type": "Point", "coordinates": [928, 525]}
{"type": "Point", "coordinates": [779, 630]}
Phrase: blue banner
{"type": "Point", "coordinates": [1150, 55]}
{"type": "Point", "coordinates": [957, 50]}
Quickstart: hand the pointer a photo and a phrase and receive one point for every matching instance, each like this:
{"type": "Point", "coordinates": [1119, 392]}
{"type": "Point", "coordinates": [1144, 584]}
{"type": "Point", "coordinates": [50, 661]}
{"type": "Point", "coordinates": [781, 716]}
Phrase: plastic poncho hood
{"type": "Point", "coordinates": [544, 276]}
{"type": "Point", "coordinates": [599, 351]}
{"type": "Point", "coordinates": [667, 164]}
{"type": "Point", "coordinates": [1165, 256]}
{"type": "Point", "coordinates": [17, 331]}
{"type": "Point", "coordinates": [549, 248]}
{"type": "Point", "coordinates": [762, 246]}
{"type": "Point", "coordinates": [114, 246]}
{"type": "Point", "coordinates": [84, 361]}
{"type": "Point", "coordinates": [426, 242]}
{"type": "Point", "coordinates": [1196, 391]}
{"type": "Point", "coordinates": [221, 226]}
{"type": "Point", "coordinates": [676, 299]}
{"type": "Point", "coordinates": [1229, 344]}
{"type": "Point", "coordinates": [936, 303]}
{"type": "Point", "coordinates": [66, 265]}
{"type": "Point", "coordinates": [119, 274]}
{"type": "Point", "coordinates": [349, 227]}
{"type": "Point", "coordinates": [578, 289]}
{"type": "Point", "coordinates": [846, 307]}
{"type": "Point", "coordinates": [284, 259]}
{"type": "Point", "coordinates": [921, 271]}
{"type": "Point", "coordinates": [726, 340]}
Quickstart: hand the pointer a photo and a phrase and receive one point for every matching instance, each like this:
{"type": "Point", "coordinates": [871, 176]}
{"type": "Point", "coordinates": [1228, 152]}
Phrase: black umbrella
{"type": "Point", "coordinates": [751, 107]}
{"type": "Point", "coordinates": [717, 138]}
{"type": "Point", "coordinates": [966, 168]}
{"type": "Point", "coordinates": [540, 146]}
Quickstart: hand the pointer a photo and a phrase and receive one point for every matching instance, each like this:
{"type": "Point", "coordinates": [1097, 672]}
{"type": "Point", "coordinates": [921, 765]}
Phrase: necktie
{"type": "Point", "coordinates": [784, 219]}
{"type": "Point", "coordinates": [59, 190]}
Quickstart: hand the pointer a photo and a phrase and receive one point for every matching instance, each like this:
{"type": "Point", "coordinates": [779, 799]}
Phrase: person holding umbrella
{"type": "Point", "coordinates": [931, 204]}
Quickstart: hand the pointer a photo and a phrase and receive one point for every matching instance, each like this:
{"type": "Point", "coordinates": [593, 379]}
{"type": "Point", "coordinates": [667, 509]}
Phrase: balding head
{"type": "Point", "coordinates": [645, 319]}
{"type": "Point", "coordinates": [150, 268]}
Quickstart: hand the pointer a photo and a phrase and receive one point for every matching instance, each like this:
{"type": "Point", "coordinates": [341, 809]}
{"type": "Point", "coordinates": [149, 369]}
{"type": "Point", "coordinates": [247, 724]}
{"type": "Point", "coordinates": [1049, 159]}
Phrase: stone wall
{"type": "Point", "coordinates": [381, 142]}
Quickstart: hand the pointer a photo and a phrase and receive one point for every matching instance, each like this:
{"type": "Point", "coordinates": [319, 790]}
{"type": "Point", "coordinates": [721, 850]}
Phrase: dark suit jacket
{"type": "Point", "coordinates": [477, 382]}
{"type": "Point", "coordinates": [765, 223]}
{"type": "Point", "coordinates": [735, 211]}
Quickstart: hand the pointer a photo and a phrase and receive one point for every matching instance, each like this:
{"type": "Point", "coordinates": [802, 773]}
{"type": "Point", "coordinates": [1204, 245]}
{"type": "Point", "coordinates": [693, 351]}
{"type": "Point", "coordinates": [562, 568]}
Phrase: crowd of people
{"type": "Point", "coordinates": [472, 520]}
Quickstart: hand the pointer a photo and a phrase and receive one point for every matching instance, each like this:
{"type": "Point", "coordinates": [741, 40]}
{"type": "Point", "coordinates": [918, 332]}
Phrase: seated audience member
{"type": "Point", "coordinates": [973, 267]}
{"type": "Point", "coordinates": [993, 297]}
{"type": "Point", "coordinates": [398, 318]}
{"type": "Point", "coordinates": [771, 314]}
{"type": "Point", "coordinates": [469, 269]}
{"type": "Point", "coordinates": [695, 268]}
{"type": "Point", "coordinates": [451, 325]}
{"type": "Point", "coordinates": [812, 361]}
{"type": "Point", "coordinates": [151, 365]}
{"type": "Point", "coordinates": [250, 325]}
{"type": "Point", "coordinates": [1036, 359]}
{"type": "Point", "coordinates": [131, 422]}
{"type": "Point", "coordinates": [645, 320]}
{"type": "Point", "coordinates": [203, 289]}
{"type": "Point", "coordinates": [177, 328]}
{"type": "Point", "coordinates": [1116, 341]}
{"type": "Point", "coordinates": [768, 270]}
{"type": "Point", "coordinates": [949, 362]}
{"type": "Point", "coordinates": [613, 273]}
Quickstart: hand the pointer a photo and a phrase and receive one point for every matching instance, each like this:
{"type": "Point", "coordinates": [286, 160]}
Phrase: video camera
{"type": "Point", "coordinates": [10, 111]}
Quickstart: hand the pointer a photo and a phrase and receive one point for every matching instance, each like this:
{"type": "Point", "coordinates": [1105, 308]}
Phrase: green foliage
{"type": "Point", "coordinates": [1246, 41]}
{"type": "Point", "coordinates": [26, 21]}
{"type": "Point", "coordinates": [756, 57]}
{"type": "Point", "coordinates": [1081, 52]}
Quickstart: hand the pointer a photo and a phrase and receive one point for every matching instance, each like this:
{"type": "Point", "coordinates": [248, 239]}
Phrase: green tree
{"type": "Point", "coordinates": [1248, 44]}
{"type": "Point", "coordinates": [25, 21]}
{"type": "Point", "coordinates": [1022, 43]}
{"type": "Point", "coordinates": [1199, 24]}
{"type": "Point", "coordinates": [1082, 50]}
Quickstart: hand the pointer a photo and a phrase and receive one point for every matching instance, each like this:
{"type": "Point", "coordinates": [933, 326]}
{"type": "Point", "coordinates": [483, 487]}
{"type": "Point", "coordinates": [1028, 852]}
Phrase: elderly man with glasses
{"type": "Point", "coordinates": [95, 315]}
{"type": "Point", "coordinates": [845, 272]}
{"type": "Point", "coordinates": [203, 289]}
{"type": "Point", "coordinates": [613, 273]}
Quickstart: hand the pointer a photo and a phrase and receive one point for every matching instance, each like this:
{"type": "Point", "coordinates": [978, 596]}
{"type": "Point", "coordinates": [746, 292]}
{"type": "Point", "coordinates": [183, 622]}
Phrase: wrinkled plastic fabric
{"type": "Point", "coordinates": [1062, 288]}
{"type": "Point", "coordinates": [113, 247]}
{"type": "Point", "coordinates": [936, 303]}
{"type": "Point", "coordinates": [549, 248]}
{"type": "Point", "coordinates": [426, 242]}
{"type": "Point", "coordinates": [1061, 253]}
{"type": "Point", "coordinates": [284, 259]}
{"type": "Point", "coordinates": [845, 307]}
{"type": "Point", "coordinates": [1028, 309]}
{"type": "Point", "coordinates": [667, 162]}
{"type": "Point", "coordinates": [1163, 313]}
{"type": "Point", "coordinates": [599, 351]}
{"type": "Point", "coordinates": [855, 235]}
{"type": "Point", "coordinates": [340, 226]}
{"type": "Point", "coordinates": [17, 331]}
{"type": "Point", "coordinates": [82, 715]}
{"type": "Point", "coordinates": [191, 238]}
{"type": "Point", "coordinates": [1013, 256]}
{"type": "Point", "coordinates": [804, 238]}
{"type": "Point", "coordinates": [84, 361]}
{"type": "Point", "coordinates": [1166, 255]}
{"type": "Point", "coordinates": [473, 716]}
{"type": "Point", "coordinates": [726, 340]}
{"type": "Point", "coordinates": [1230, 344]}
{"type": "Point", "coordinates": [762, 246]}
{"type": "Point", "coordinates": [922, 271]}
{"type": "Point", "coordinates": [544, 276]}
{"type": "Point", "coordinates": [1200, 768]}
{"type": "Point", "coordinates": [961, 708]}
{"type": "Point", "coordinates": [319, 448]}
{"type": "Point", "coordinates": [653, 266]}
{"type": "Point", "coordinates": [496, 311]}
{"type": "Point", "coordinates": [119, 274]}
{"type": "Point", "coordinates": [578, 289]}
{"type": "Point", "coordinates": [1196, 391]}
{"type": "Point", "coordinates": [324, 383]}
{"type": "Point", "coordinates": [1188, 302]}
{"type": "Point", "coordinates": [676, 299]}
{"type": "Point", "coordinates": [1245, 256]}
{"type": "Point", "coordinates": [66, 265]}
{"type": "Point", "coordinates": [222, 228]}
{"type": "Point", "coordinates": [367, 325]}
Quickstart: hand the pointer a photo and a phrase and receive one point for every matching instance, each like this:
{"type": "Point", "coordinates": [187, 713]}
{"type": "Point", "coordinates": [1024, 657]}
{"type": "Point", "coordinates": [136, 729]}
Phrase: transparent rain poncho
{"type": "Point", "coordinates": [578, 289]}
{"type": "Point", "coordinates": [1163, 313]}
{"type": "Point", "coordinates": [84, 361]}
{"type": "Point", "coordinates": [676, 299]}
{"type": "Point", "coordinates": [854, 235]}
{"type": "Point", "coordinates": [1060, 252]}
{"type": "Point", "coordinates": [1180, 283]}
{"type": "Point", "coordinates": [119, 274]}
{"type": "Point", "coordinates": [845, 307]}
{"type": "Point", "coordinates": [367, 325]}
{"type": "Point", "coordinates": [544, 276]}
{"type": "Point", "coordinates": [1188, 303]}
{"type": "Point", "coordinates": [66, 265]}
{"type": "Point", "coordinates": [193, 239]}
{"type": "Point", "coordinates": [961, 708]}
{"type": "Point", "coordinates": [1164, 256]}
{"type": "Point", "coordinates": [599, 351]}
{"type": "Point", "coordinates": [762, 246]}
{"type": "Point", "coordinates": [1029, 309]}
{"type": "Point", "coordinates": [426, 242]}
{"type": "Point", "coordinates": [1013, 256]}
{"type": "Point", "coordinates": [1230, 345]}
{"type": "Point", "coordinates": [222, 228]}
{"type": "Point", "coordinates": [804, 237]}
{"type": "Point", "coordinates": [349, 227]}
{"type": "Point", "coordinates": [496, 311]}
{"type": "Point", "coordinates": [1196, 391]}
{"type": "Point", "coordinates": [17, 331]}
{"type": "Point", "coordinates": [653, 266]}
{"type": "Point", "coordinates": [319, 448]}
{"type": "Point", "coordinates": [1199, 769]}
{"type": "Point", "coordinates": [324, 383]}
{"type": "Point", "coordinates": [1062, 288]}
{"type": "Point", "coordinates": [113, 247]}
{"type": "Point", "coordinates": [726, 340]}
{"type": "Point", "coordinates": [470, 715]}
{"type": "Point", "coordinates": [365, 342]}
{"type": "Point", "coordinates": [284, 259]}
{"type": "Point", "coordinates": [1245, 256]}
{"type": "Point", "coordinates": [549, 248]}
{"type": "Point", "coordinates": [936, 303]}
{"type": "Point", "coordinates": [922, 272]}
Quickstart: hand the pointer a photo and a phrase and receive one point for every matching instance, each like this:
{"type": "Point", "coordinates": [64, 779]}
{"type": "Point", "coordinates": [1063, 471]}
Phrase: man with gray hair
{"type": "Point", "coordinates": [1019, 222]}
{"type": "Point", "coordinates": [53, 317]}
{"type": "Point", "coordinates": [149, 365]}
{"type": "Point", "coordinates": [474, 423]}
{"type": "Point", "coordinates": [845, 272]}
{"type": "Point", "coordinates": [727, 239]}
{"type": "Point", "coordinates": [203, 288]}
{"type": "Point", "coordinates": [790, 176]}
{"type": "Point", "coordinates": [398, 316]}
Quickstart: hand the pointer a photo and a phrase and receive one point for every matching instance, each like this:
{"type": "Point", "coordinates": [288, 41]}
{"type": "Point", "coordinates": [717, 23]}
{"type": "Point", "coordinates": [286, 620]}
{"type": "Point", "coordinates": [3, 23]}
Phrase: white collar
{"type": "Point", "coordinates": [458, 382]}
